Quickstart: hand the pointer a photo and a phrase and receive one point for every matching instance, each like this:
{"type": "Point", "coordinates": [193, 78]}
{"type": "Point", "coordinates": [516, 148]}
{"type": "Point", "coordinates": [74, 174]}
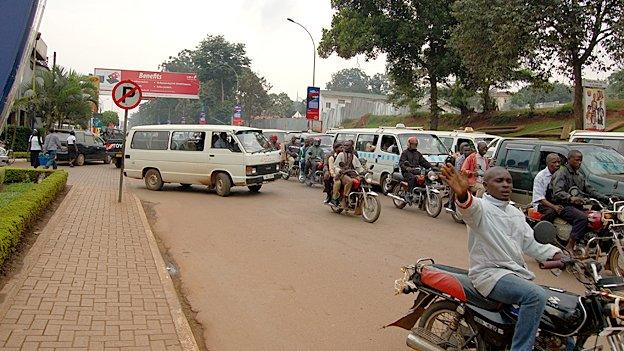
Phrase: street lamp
{"type": "Point", "coordinates": [313, 49]}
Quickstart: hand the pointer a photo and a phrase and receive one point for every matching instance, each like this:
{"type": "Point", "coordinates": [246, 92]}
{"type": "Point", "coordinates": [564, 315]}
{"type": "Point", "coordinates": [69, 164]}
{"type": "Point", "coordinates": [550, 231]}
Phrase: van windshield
{"type": "Point", "coordinates": [602, 161]}
{"type": "Point", "coordinates": [253, 141]}
{"type": "Point", "coordinates": [428, 144]}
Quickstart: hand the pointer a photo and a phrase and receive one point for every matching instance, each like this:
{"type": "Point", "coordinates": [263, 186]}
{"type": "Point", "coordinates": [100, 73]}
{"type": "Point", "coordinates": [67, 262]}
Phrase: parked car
{"type": "Point", "coordinates": [90, 147]}
{"type": "Point", "coordinates": [113, 141]}
{"type": "Point", "coordinates": [613, 139]}
{"type": "Point", "coordinates": [602, 167]}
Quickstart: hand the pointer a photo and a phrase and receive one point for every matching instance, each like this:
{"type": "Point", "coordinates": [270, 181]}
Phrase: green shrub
{"type": "Point", "coordinates": [22, 154]}
{"type": "Point", "coordinates": [2, 176]}
{"type": "Point", "coordinates": [17, 139]}
{"type": "Point", "coordinates": [18, 215]}
{"type": "Point", "coordinates": [24, 175]}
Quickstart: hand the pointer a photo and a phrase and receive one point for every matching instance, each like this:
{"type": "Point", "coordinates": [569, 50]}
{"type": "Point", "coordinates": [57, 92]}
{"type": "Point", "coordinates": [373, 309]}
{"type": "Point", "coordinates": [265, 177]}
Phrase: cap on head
{"type": "Point", "coordinates": [273, 138]}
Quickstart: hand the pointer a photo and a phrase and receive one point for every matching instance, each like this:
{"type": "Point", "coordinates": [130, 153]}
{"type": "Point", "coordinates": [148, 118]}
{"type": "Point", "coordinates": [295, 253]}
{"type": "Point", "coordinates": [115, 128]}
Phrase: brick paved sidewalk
{"type": "Point", "coordinates": [94, 279]}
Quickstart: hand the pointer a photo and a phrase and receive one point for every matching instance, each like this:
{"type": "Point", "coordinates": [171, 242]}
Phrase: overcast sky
{"type": "Point", "coordinates": [140, 34]}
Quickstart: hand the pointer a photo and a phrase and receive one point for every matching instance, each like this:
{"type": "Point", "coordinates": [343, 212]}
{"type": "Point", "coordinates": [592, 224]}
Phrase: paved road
{"type": "Point", "coordinates": [280, 271]}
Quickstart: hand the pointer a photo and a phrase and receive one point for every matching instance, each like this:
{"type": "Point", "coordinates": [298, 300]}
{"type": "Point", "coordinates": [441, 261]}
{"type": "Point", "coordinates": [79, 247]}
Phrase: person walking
{"type": "Point", "coordinates": [50, 147]}
{"type": "Point", "coordinates": [35, 144]}
{"type": "Point", "coordinates": [72, 148]}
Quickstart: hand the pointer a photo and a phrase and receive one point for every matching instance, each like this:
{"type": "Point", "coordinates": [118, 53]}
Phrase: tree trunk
{"type": "Point", "coordinates": [578, 95]}
{"type": "Point", "coordinates": [433, 99]}
{"type": "Point", "coordinates": [486, 99]}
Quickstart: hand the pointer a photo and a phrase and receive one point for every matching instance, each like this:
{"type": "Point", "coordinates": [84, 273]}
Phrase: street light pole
{"type": "Point", "coordinates": [313, 50]}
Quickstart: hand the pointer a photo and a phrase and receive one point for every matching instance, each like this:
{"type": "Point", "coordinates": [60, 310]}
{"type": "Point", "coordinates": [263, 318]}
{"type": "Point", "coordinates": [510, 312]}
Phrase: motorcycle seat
{"type": "Point", "coordinates": [397, 176]}
{"type": "Point", "coordinates": [455, 282]}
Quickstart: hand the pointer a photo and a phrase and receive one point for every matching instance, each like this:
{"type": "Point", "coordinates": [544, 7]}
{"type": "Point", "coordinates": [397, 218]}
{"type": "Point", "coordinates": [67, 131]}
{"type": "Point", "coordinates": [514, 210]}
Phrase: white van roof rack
{"type": "Point", "coordinates": [401, 126]}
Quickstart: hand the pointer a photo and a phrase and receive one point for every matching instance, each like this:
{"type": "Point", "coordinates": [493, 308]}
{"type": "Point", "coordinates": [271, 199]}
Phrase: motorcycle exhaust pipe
{"type": "Point", "coordinates": [392, 196]}
{"type": "Point", "coordinates": [419, 343]}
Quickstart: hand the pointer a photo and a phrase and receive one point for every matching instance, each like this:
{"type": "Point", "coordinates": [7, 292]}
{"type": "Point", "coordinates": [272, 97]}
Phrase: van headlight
{"type": "Point", "coordinates": [620, 213]}
{"type": "Point", "coordinates": [432, 175]}
{"type": "Point", "coordinates": [251, 170]}
{"type": "Point", "coordinates": [368, 177]}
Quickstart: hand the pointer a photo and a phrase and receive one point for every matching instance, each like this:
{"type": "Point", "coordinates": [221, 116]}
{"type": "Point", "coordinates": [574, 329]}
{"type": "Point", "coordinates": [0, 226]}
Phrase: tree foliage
{"type": "Point", "coordinates": [351, 80]}
{"type": "Point", "coordinates": [414, 35]}
{"type": "Point", "coordinates": [60, 96]}
{"type": "Point", "coordinates": [616, 85]}
{"type": "Point", "coordinates": [108, 117]}
{"type": "Point", "coordinates": [533, 94]}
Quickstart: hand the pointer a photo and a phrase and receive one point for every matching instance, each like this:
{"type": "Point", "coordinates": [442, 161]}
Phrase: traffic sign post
{"type": "Point", "coordinates": [126, 95]}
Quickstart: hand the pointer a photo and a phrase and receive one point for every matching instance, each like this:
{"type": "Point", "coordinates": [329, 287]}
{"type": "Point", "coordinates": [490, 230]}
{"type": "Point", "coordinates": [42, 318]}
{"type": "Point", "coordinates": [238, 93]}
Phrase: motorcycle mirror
{"type": "Point", "coordinates": [574, 191]}
{"type": "Point", "coordinates": [545, 233]}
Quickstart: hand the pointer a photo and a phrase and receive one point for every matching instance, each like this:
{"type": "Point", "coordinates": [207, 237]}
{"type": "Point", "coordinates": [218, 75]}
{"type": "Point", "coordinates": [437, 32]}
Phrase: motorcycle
{"type": "Point", "coordinates": [426, 195]}
{"type": "Point", "coordinates": [360, 199]}
{"type": "Point", "coordinates": [450, 314]}
{"type": "Point", "coordinates": [604, 236]}
{"type": "Point", "coordinates": [286, 171]}
{"type": "Point", "coordinates": [316, 177]}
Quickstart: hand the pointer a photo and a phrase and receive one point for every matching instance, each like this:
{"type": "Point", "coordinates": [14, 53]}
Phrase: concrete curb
{"type": "Point", "coordinates": [10, 290]}
{"type": "Point", "coordinates": [183, 329]}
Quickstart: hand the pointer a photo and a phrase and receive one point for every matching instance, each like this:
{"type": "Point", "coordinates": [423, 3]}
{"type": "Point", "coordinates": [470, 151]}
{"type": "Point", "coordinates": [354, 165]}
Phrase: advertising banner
{"type": "Point", "coordinates": [153, 84]}
{"type": "Point", "coordinates": [594, 105]}
{"type": "Point", "coordinates": [237, 118]}
{"type": "Point", "coordinates": [313, 103]}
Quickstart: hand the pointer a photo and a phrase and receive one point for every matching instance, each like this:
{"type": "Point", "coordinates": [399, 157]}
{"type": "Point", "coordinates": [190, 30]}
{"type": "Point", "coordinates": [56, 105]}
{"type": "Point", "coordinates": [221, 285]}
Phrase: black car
{"type": "Point", "coordinates": [90, 147]}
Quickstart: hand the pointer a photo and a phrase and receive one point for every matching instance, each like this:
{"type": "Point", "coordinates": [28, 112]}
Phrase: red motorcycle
{"type": "Point", "coordinates": [361, 200]}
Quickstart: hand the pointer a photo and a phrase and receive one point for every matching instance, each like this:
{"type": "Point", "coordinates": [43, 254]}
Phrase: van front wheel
{"type": "Point", "coordinates": [223, 185]}
{"type": "Point", "coordinates": [255, 188]}
{"type": "Point", "coordinates": [153, 180]}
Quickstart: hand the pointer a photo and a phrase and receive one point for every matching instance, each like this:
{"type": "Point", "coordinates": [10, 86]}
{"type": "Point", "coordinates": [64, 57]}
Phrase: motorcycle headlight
{"type": "Point", "coordinates": [368, 178]}
{"type": "Point", "coordinates": [620, 213]}
{"type": "Point", "coordinates": [432, 175]}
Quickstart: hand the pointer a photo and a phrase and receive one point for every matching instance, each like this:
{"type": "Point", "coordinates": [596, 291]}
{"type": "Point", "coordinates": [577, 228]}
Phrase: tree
{"type": "Point", "coordinates": [458, 96]}
{"type": "Point", "coordinates": [379, 84]}
{"type": "Point", "coordinates": [280, 105]}
{"type": "Point", "coordinates": [490, 52]}
{"type": "Point", "coordinates": [616, 85]}
{"type": "Point", "coordinates": [60, 96]}
{"type": "Point", "coordinates": [108, 117]}
{"type": "Point", "coordinates": [550, 92]}
{"type": "Point", "coordinates": [349, 79]}
{"type": "Point", "coordinates": [569, 35]}
{"type": "Point", "coordinates": [414, 34]}
{"type": "Point", "coordinates": [253, 94]}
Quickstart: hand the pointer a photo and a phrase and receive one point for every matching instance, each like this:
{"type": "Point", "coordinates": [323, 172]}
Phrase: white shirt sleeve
{"type": "Point", "coordinates": [540, 184]}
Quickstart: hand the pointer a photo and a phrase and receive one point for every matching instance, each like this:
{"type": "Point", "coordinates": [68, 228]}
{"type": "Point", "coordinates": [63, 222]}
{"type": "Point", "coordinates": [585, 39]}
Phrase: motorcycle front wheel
{"type": "Point", "coordinates": [400, 192]}
{"type": "Point", "coordinates": [433, 205]}
{"type": "Point", "coordinates": [439, 319]}
{"type": "Point", "coordinates": [371, 209]}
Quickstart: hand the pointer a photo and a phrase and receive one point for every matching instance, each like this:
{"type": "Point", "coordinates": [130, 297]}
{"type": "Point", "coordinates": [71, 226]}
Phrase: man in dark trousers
{"type": "Point", "coordinates": [410, 160]}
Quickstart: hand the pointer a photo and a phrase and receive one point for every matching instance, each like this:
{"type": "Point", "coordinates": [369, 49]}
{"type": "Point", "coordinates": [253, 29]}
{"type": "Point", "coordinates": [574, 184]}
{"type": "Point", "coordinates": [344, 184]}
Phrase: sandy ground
{"type": "Point", "coordinates": [280, 271]}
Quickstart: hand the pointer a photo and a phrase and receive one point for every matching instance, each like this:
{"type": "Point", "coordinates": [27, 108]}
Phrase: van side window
{"type": "Point", "coordinates": [150, 140]}
{"type": "Point", "coordinates": [518, 159]}
{"type": "Point", "coordinates": [544, 154]}
{"type": "Point", "coordinates": [224, 140]}
{"type": "Point", "coordinates": [389, 144]}
{"type": "Point", "coordinates": [448, 142]}
{"type": "Point", "coordinates": [366, 142]}
{"type": "Point", "coordinates": [188, 141]}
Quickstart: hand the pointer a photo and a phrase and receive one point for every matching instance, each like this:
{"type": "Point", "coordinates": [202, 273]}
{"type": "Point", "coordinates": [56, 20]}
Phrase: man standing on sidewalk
{"type": "Point", "coordinates": [50, 147]}
{"type": "Point", "coordinates": [72, 148]}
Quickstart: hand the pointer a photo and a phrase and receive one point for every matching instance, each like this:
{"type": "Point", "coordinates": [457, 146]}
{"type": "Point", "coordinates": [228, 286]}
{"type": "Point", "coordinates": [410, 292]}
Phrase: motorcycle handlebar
{"type": "Point", "coordinates": [552, 264]}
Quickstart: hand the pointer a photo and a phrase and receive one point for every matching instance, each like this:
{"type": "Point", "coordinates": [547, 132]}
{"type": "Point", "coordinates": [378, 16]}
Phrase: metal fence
{"type": "Point", "coordinates": [281, 123]}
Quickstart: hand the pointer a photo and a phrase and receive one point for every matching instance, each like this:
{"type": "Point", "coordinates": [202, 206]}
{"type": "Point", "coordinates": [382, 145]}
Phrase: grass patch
{"type": "Point", "coordinates": [13, 191]}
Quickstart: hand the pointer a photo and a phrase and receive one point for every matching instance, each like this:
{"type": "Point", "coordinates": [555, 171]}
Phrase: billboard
{"type": "Point", "coordinates": [313, 103]}
{"type": "Point", "coordinates": [594, 105]}
{"type": "Point", "coordinates": [237, 118]}
{"type": "Point", "coordinates": [153, 84]}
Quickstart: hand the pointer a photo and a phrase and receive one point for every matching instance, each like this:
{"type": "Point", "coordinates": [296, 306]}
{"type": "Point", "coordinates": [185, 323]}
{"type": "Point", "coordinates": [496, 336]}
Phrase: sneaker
{"type": "Point", "coordinates": [335, 202]}
{"type": "Point", "coordinates": [327, 199]}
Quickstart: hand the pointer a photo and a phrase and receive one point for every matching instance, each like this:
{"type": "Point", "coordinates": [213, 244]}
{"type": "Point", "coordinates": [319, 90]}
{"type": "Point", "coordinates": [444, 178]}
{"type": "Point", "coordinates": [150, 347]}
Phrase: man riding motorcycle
{"type": "Point", "coordinates": [314, 155]}
{"type": "Point", "coordinates": [498, 237]}
{"type": "Point", "coordinates": [563, 180]}
{"type": "Point", "coordinates": [329, 176]}
{"type": "Point", "coordinates": [302, 155]}
{"type": "Point", "coordinates": [345, 165]}
{"type": "Point", "coordinates": [410, 160]}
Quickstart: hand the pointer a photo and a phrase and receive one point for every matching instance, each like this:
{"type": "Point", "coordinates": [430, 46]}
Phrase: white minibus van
{"type": "Point", "coordinates": [382, 147]}
{"type": "Point", "coordinates": [218, 156]}
{"type": "Point", "coordinates": [613, 139]}
{"type": "Point", "coordinates": [452, 139]}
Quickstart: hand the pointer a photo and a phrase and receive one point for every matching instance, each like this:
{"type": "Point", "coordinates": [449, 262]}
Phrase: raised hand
{"type": "Point", "coordinates": [456, 181]}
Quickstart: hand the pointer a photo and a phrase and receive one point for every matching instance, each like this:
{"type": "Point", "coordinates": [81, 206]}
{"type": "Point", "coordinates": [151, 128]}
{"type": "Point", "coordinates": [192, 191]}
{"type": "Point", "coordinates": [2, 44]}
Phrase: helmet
{"type": "Point", "coordinates": [412, 140]}
{"type": "Point", "coordinates": [273, 138]}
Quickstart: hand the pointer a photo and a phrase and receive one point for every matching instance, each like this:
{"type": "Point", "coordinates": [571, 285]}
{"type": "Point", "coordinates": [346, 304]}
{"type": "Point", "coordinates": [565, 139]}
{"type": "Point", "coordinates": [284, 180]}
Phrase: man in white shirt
{"type": "Point", "coordinates": [541, 182]}
{"type": "Point", "coordinates": [72, 148]}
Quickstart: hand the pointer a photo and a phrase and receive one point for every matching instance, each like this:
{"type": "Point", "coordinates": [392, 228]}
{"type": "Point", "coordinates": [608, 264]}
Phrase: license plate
{"type": "Point", "coordinates": [267, 177]}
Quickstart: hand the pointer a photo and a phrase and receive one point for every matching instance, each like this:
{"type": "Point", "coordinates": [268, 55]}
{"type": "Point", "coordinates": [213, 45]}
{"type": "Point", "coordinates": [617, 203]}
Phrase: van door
{"type": "Point", "coordinates": [226, 155]}
{"type": "Point", "coordinates": [187, 158]}
{"type": "Point", "coordinates": [520, 160]}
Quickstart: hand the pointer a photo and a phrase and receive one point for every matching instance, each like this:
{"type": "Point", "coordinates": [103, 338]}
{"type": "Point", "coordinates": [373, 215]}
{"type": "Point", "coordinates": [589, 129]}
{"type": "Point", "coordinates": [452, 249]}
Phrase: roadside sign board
{"type": "Point", "coordinates": [594, 105]}
{"type": "Point", "coordinates": [153, 84]}
{"type": "Point", "coordinates": [127, 94]}
{"type": "Point", "coordinates": [313, 103]}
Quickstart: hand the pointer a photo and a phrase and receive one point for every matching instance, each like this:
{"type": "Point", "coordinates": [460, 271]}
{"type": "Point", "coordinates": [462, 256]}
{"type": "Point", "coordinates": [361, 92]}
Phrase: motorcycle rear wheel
{"type": "Point", "coordinates": [286, 174]}
{"type": "Point", "coordinates": [400, 192]}
{"type": "Point", "coordinates": [616, 262]}
{"type": "Point", "coordinates": [433, 205]}
{"type": "Point", "coordinates": [440, 316]}
{"type": "Point", "coordinates": [371, 212]}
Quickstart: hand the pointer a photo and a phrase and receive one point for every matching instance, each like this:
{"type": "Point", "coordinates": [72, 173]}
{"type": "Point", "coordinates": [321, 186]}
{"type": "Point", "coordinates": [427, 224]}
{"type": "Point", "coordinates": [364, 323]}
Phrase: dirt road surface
{"type": "Point", "coordinates": [279, 271]}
